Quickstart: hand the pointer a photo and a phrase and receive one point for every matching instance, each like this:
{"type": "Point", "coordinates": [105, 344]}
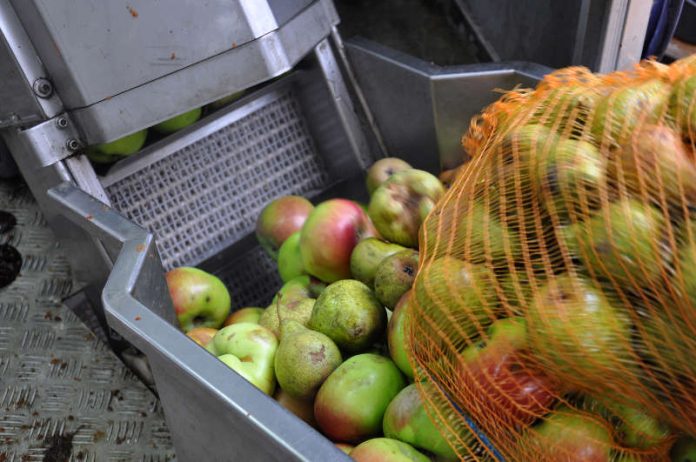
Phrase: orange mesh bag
{"type": "Point", "coordinates": [553, 317]}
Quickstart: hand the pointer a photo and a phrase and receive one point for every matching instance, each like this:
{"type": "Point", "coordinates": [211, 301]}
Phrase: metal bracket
{"type": "Point", "coordinates": [53, 140]}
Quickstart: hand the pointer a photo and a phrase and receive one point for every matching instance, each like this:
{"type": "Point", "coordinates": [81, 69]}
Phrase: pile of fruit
{"type": "Point", "coordinates": [554, 315]}
{"type": "Point", "coordinates": [331, 346]}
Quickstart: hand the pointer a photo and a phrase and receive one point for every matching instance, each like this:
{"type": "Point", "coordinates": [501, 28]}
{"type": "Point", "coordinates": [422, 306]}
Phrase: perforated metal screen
{"type": "Point", "coordinates": [208, 194]}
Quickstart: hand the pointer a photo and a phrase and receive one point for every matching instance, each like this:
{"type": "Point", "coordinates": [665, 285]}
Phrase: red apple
{"type": "Point", "coordinates": [386, 450]}
{"type": "Point", "coordinates": [347, 448]}
{"type": "Point", "coordinates": [500, 382]}
{"type": "Point", "coordinates": [279, 220]}
{"type": "Point", "coordinates": [329, 235]}
{"type": "Point", "coordinates": [200, 299]}
{"type": "Point", "coordinates": [382, 170]}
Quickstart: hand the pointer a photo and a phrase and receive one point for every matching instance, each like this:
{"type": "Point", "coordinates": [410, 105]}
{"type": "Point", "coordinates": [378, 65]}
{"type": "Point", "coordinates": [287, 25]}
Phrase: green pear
{"type": "Point", "coordinates": [178, 122]}
{"type": "Point", "coordinates": [350, 314]}
{"type": "Point", "coordinates": [290, 263]}
{"type": "Point", "coordinates": [619, 114]}
{"type": "Point", "coordinates": [396, 334]}
{"type": "Point", "coordinates": [406, 420]}
{"type": "Point", "coordinates": [578, 335]}
{"type": "Point", "coordinates": [200, 299]}
{"type": "Point", "coordinates": [250, 350]}
{"type": "Point", "coordinates": [386, 450]}
{"type": "Point", "coordinates": [395, 275]}
{"type": "Point", "coordinates": [622, 243]}
{"type": "Point", "coordinates": [296, 310]}
{"type": "Point", "coordinates": [684, 450]}
{"type": "Point", "coordinates": [570, 436]}
{"type": "Point", "coordinates": [382, 170]}
{"type": "Point", "coordinates": [682, 106]}
{"type": "Point", "coordinates": [570, 177]}
{"type": "Point", "coordinates": [304, 359]}
{"type": "Point", "coordinates": [367, 256]}
{"type": "Point", "coordinates": [461, 292]}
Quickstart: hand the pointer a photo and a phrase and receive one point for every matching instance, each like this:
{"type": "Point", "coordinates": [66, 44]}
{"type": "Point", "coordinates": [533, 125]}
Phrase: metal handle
{"type": "Point", "coordinates": [232, 418]}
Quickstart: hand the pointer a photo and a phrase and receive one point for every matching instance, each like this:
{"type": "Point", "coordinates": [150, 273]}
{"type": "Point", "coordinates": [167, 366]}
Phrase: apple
{"type": "Point", "coordinates": [250, 350]}
{"type": "Point", "coordinates": [569, 435]}
{"type": "Point", "coordinates": [345, 447]}
{"type": "Point", "coordinates": [178, 122]}
{"type": "Point", "coordinates": [406, 420]}
{"type": "Point", "coordinates": [290, 258]}
{"type": "Point", "coordinates": [117, 149]}
{"type": "Point", "coordinates": [395, 276]}
{"type": "Point", "coordinates": [202, 335]}
{"type": "Point", "coordinates": [684, 450]}
{"type": "Point", "coordinates": [330, 234]}
{"type": "Point", "coordinates": [225, 100]}
{"type": "Point", "coordinates": [569, 178]}
{"type": "Point", "coordinates": [367, 256]}
{"type": "Point", "coordinates": [386, 450]}
{"type": "Point", "coordinates": [657, 161]}
{"type": "Point", "coordinates": [577, 334]}
{"type": "Point", "coordinates": [351, 402]}
{"type": "Point", "coordinates": [304, 409]}
{"type": "Point", "coordinates": [463, 292]}
{"type": "Point", "coordinates": [617, 116]}
{"type": "Point", "coordinates": [279, 220]}
{"type": "Point", "coordinates": [200, 299]}
{"type": "Point", "coordinates": [249, 314]}
{"type": "Point", "coordinates": [397, 330]}
{"type": "Point", "coordinates": [622, 243]}
{"type": "Point", "coordinates": [399, 206]}
{"type": "Point", "coordinates": [682, 105]}
{"type": "Point", "coordinates": [382, 170]}
{"type": "Point", "coordinates": [499, 379]}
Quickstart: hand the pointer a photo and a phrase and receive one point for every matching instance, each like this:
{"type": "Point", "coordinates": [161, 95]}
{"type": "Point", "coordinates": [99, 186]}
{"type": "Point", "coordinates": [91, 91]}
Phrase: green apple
{"type": "Point", "coordinates": [569, 178]}
{"type": "Point", "coordinates": [115, 150]}
{"type": "Point", "coordinates": [396, 334]}
{"type": "Point", "coordinates": [406, 420]}
{"type": "Point", "coordinates": [290, 263]}
{"type": "Point", "coordinates": [178, 122]}
{"type": "Point", "coordinates": [202, 335]}
{"type": "Point", "coordinates": [351, 402]}
{"type": "Point", "coordinates": [570, 436]}
{"type": "Point", "coordinates": [200, 299]}
{"type": "Point", "coordinates": [463, 293]}
{"type": "Point", "coordinates": [578, 335]}
{"type": "Point", "coordinates": [250, 350]}
{"type": "Point", "coordinates": [622, 243]}
{"type": "Point", "coordinates": [619, 114]}
{"type": "Point", "coordinates": [382, 170]}
{"type": "Point", "coordinates": [367, 256]}
{"type": "Point", "coordinates": [682, 105]}
{"type": "Point", "coordinates": [386, 450]}
{"type": "Point", "coordinates": [399, 206]}
{"type": "Point", "coordinates": [349, 313]}
{"type": "Point", "coordinates": [225, 100]}
{"type": "Point", "coordinates": [249, 314]}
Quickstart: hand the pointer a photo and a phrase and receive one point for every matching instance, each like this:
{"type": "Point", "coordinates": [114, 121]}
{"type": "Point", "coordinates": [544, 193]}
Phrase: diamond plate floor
{"type": "Point", "coordinates": [64, 396]}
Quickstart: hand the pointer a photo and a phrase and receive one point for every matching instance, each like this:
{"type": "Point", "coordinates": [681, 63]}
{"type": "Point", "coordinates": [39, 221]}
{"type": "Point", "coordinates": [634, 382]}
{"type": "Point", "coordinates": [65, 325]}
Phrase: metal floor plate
{"type": "Point", "coordinates": [64, 396]}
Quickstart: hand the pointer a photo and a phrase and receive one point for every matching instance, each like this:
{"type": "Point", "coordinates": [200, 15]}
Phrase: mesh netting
{"type": "Point", "coordinates": [553, 315]}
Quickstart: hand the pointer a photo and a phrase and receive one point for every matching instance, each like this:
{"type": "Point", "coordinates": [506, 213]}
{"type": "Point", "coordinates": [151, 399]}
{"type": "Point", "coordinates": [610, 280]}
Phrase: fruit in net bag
{"type": "Point", "coordinates": [573, 218]}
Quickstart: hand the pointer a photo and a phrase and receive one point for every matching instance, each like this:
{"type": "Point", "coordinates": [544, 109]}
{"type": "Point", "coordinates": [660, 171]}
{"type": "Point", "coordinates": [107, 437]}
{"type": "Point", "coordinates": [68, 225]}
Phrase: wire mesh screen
{"type": "Point", "coordinates": [208, 194]}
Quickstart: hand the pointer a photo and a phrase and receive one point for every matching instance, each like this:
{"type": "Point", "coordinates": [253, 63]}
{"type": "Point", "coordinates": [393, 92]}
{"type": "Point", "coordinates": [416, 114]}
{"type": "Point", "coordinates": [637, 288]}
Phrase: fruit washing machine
{"type": "Point", "coordinates": [314, 114]}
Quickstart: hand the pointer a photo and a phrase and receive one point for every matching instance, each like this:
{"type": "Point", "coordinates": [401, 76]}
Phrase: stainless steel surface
{"type": "Point", "coordinates": [50, 141]}
{"type": "Point", "coordinates": [122, 67]}
{"type": "Point", "coordinates": [21, 72]}
{"type": "Point", "coordinates": [422, 110]}
{"type": "Point", "coordinates": [212, 412]}
{"type": "Point", "coordinates": [61, 386]}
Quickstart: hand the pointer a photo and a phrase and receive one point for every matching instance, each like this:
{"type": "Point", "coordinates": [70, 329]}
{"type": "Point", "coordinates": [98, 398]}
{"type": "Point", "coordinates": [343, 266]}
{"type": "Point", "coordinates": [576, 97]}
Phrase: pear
{"type": "Point", "coordinates": [349, 313]}
{"type": "Point", "coordinates": [304, 359]}
{"type": "Point", "coordinates": [395, 276]}
{"type": "Point", "coordinates": [367, 256]}
{"type": "Point", "coordinates": [298, 310]}
{"type": "Point", "coordinates": [682, 105]}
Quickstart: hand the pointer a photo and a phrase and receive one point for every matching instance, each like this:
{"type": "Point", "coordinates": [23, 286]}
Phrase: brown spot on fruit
{"type": "Point", "coordinates": [246, 359]}
{"type": "Point", "coordinates": [318, 356]}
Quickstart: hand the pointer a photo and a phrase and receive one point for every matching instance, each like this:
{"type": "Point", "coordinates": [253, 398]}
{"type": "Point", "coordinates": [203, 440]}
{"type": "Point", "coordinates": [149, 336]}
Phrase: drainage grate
{"type": "Point", "coordinates": [252, 279]}
{"type": "Point", "coordinates": [208, 194]}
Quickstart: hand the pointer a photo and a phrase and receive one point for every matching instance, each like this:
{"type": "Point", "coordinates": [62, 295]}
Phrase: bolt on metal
{"type": "Point", "coordinates": [42, 87]}
{"type": "Point", "coordinates": [73, 144]}
{"type": "Point", "coordinates": [62, 122]}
